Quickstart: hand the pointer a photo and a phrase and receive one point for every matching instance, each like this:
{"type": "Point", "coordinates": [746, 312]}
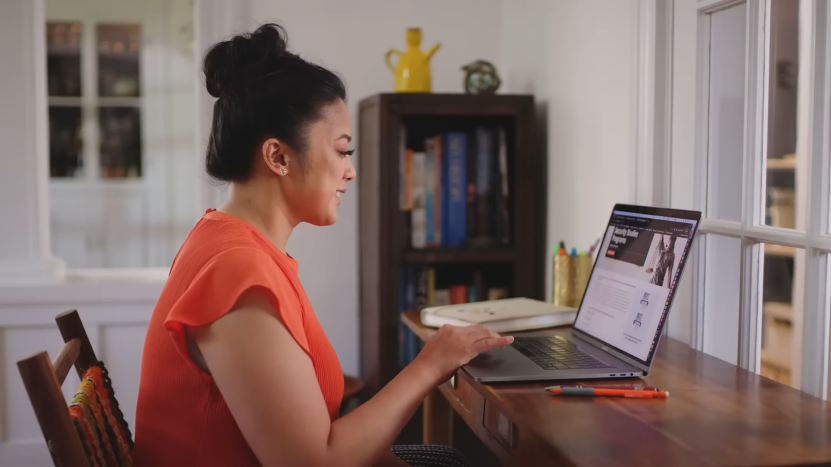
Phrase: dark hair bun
{"type": "Point", "coordinates": [263, 91]}
{"type": "Point", "coordinates": [230, 66]}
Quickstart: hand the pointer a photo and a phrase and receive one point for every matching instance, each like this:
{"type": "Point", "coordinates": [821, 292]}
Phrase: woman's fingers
{"type": "Point", "coordinates": [492, 343]}
{"type": "Point", "coordinates": [482, 333]}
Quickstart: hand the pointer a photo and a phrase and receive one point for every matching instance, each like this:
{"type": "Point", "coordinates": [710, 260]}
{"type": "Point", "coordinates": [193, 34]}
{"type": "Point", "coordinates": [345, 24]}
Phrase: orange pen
{"type": "Point", "coordinates": [572, 391]}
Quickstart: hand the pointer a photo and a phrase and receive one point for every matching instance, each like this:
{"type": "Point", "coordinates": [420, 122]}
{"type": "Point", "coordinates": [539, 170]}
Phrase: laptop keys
{"type": "Point", "coordinates": [552, 353]}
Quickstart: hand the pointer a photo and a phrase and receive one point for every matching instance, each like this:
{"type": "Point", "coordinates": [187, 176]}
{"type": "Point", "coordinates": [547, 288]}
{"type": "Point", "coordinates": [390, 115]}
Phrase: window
{"type": "Point", "coordinates": [121, 131]}
{"type": "Point", "coordinates": [761, 287]}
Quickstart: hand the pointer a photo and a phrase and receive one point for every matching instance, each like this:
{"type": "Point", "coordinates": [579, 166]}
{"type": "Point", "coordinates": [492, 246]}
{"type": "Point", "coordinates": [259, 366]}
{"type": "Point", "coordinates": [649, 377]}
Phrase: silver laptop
{"type": "Point", "coordinates": [623, 311]}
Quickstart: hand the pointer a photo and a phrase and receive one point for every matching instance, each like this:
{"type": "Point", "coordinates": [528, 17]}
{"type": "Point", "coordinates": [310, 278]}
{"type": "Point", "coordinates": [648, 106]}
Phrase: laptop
{"type": "Point", "coordinates": [623, 311]}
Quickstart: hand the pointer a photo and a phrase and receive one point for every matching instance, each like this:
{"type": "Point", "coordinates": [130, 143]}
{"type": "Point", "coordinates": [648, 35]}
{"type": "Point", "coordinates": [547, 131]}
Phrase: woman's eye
{"type": "Point", "coordinates": [347, 153]}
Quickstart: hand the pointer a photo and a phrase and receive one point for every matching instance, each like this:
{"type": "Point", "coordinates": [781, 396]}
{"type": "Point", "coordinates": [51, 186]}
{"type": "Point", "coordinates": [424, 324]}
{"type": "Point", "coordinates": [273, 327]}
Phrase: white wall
{"type": "Point", "coordinates": [351, 39]}
{"type": "Point", "coordinates": [578, 58]}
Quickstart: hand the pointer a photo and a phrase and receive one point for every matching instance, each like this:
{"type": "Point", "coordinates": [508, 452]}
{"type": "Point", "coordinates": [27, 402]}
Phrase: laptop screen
{"type": "Point", "coordinates": [634, 278]}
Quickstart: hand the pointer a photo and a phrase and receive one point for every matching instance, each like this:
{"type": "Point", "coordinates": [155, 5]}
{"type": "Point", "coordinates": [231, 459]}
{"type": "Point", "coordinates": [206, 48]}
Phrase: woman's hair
{"type": "Point", "coordinates": [263, 91]}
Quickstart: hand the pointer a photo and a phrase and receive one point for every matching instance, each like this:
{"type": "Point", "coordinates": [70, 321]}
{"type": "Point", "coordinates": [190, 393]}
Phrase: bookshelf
{"type": "Point", "coordinates": [509, 257]}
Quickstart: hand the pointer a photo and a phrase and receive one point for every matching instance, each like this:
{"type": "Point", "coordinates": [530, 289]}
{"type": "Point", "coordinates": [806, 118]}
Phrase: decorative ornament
{"type": "Point", "coordinates": [481, 78]}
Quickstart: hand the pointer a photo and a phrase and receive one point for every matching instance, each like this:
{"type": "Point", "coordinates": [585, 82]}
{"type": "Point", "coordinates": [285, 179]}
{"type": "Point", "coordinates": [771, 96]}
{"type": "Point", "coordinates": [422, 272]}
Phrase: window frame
{"type": "Point", "coordinates": [816, 241]}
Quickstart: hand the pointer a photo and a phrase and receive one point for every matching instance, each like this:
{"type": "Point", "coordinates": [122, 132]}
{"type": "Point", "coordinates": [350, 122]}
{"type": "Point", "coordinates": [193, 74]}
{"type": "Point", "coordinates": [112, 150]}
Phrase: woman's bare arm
{"type": "Point", "coordinates": [270, 387]}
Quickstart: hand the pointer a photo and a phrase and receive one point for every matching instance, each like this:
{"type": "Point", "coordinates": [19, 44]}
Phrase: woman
{"type": "Point", "coordinates": [236, 368]}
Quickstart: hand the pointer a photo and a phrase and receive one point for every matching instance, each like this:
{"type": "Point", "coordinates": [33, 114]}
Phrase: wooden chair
{"type": "Point", "coordinates": [43, 378]}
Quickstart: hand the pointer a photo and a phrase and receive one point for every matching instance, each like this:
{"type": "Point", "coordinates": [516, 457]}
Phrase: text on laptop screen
{"type": "Point", "coordinates": [633, 280]}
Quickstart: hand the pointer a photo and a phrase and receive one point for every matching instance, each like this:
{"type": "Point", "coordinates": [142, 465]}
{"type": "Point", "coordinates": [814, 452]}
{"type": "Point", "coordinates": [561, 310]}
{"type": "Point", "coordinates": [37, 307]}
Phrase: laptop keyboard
{"type": "Point", "coordinates": [556, 353]}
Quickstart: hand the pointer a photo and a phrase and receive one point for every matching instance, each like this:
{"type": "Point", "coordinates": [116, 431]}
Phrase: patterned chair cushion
{"type": "Point", "coordinates": [99, 422]}
{"type": "Point", "coordinates": [430, 455]}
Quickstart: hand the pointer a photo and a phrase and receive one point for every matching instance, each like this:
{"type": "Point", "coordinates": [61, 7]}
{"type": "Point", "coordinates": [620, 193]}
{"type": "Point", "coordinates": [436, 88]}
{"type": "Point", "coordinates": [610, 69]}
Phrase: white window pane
{"type": "Point", "coordinates": [783, 159]}
{"type": "Point", "coordinates": [121, 105]}
{"type": "Point", "coordinates": [722, 289]}
{"type": "Point", "coordinates": [726, 113]}
{"type": "Point", "coordinates": [782, 293]}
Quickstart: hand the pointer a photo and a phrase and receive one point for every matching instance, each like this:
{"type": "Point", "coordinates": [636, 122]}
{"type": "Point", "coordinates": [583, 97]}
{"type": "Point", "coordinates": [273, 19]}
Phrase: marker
{"type": "Point", "coordinates": [562, 252]}
{"type": "Point", "coordinates": [627, 388]}
{"type": "Point", "coordinates": [591, 392]}
{"type": "Point", "coordinates": [574, 252]}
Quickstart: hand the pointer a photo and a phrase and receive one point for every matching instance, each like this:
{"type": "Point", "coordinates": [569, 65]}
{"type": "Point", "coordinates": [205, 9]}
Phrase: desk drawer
{"type": "Point", "coordinates": [460, 389]}
{"type": "Point", "coordinates": [500, 427]}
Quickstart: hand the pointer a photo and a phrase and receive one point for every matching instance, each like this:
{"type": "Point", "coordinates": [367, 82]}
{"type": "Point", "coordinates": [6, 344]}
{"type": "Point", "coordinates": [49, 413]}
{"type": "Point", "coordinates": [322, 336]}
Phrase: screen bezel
{"type": "Point", "coordinates": [653, 211]}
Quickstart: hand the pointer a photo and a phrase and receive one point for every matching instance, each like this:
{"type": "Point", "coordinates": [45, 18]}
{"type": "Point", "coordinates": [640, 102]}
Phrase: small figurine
{"type": "Point", "coordinates": [412, 74]}
{"type": "Point", "coordinates": [481, 78]}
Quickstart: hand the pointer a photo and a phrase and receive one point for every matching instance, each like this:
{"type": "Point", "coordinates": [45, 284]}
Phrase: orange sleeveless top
{"type": "Point", "coordinates": [181, 417]}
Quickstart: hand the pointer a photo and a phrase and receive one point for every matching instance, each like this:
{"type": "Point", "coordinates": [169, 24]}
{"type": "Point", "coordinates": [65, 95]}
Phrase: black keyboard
{"type": "Point", "coordinates": [556, 353]}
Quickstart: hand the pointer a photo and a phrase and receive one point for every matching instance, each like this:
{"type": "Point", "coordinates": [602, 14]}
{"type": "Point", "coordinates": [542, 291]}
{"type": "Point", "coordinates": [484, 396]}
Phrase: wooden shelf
{"type": "Point", "coordinates": [779, 250]}
{"type": "Point", "coordinates": [767, 358]}
{"type": "Point", "coordinates": [459, 255]}
{"type": "Point", "coordinates": [786, 163]}
{"type": "Point", "coordinates": [779, 310]}
{"type": "Point", "coordinates": [384, 241]}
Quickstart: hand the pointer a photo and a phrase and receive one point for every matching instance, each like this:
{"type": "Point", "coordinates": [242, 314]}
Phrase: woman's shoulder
{"type": "Point", "coordinates": [231, 246]}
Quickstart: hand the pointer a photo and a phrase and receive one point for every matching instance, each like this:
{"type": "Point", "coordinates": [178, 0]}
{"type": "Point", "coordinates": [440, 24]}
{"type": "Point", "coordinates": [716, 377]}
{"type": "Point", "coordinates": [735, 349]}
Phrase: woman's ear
{"type": "Point", "coordinates": [276, 156]}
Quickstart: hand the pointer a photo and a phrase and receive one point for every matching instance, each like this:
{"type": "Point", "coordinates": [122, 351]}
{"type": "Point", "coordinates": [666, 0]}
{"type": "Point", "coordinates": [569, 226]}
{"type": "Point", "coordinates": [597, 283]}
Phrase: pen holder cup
{"type": "Point", "coordinates": [570, 276]}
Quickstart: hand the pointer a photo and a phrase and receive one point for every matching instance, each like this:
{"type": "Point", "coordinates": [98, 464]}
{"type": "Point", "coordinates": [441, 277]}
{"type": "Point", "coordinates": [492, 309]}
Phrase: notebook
{"type": "Point", "coordinates": [504, 315]}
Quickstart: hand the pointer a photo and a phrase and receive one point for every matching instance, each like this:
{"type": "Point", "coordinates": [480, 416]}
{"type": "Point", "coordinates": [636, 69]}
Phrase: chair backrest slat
{"type": "Point", "coordinates": [66, 358]}
{"type": "Point", "coordinates": [51, 411]}
{"type": "Point", "coordinates": [71, 327]}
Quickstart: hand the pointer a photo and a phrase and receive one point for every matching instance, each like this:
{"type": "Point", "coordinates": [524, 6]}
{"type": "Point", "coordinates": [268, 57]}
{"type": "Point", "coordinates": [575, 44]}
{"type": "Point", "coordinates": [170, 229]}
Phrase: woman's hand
{"type": "Point", "coordinates": [454, 346]}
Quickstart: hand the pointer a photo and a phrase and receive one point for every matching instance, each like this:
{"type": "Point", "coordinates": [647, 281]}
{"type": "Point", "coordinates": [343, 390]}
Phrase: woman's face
{"type": "Point", "coordinates": [313, 191]}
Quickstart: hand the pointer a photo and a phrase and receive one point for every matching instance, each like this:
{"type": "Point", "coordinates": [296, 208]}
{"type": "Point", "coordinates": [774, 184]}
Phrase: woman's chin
{"type": "Point", "coordinates": [326, 219]}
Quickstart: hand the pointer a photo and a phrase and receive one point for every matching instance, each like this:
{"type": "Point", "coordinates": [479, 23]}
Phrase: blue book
{"type": "Point", "coordinates": [484, 163]}
{"type": "Point", "coordinates": [446, 235]}
{"type": "Point", "coordinates": [456, 180]}
{"type": "Point", "coordinates": [411, 288]}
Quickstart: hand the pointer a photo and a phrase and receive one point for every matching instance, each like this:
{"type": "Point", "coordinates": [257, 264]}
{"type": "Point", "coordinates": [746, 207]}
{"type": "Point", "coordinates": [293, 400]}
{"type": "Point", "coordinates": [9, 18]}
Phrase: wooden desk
{"type": "Point", "coordinates": [718, 414]}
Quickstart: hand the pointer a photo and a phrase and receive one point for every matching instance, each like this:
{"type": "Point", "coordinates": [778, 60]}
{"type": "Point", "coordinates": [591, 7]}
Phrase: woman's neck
{"type": "Point", "coordinates": [261, 207]}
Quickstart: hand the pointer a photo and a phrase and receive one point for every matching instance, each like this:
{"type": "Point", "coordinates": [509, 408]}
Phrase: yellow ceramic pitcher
{"type": "Point", "coordinates": [412, 73]}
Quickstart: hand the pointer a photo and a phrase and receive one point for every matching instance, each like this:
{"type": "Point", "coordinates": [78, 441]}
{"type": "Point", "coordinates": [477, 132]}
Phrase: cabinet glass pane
{"type": "Point", "coordinates": [722, 289]}
{"type": "Point", "coordinates": [782, 311]}
{"type": "Point", "coordinates": [782, 160]}
{"type": "Point", "coordinates": [726, 115]}
{"type": "Point", "coordinates": [65, 158]}
{"type": "Point", "coordinates": [63, 59]}
{"type": "Point", "coordinates": [119, 47]}
{"type": "Point", "coordinates": [120, 149]}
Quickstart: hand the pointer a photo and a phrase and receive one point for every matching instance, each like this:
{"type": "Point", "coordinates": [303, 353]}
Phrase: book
{"type": "Point", "coordinates": [439, 188]}
{"type": "Point", "coordinates": [505, 315]}
{"type": "Point", "coordinates": [497, 293]}
{"type": "Point", "coordinates": [484, 149]}
{"type": "Point", "coordinates": [430, 193]}
{"type": "Point", "coordinates": [418, 227]}
{"type": "Point", "coordinates": [441, 297]}
{"type": "Point", "coordinates": [403, 174]}
{"type": "Point", "coordinates": [458, 294]}
{"type": "Point", "coordinates": [455, 154]}
{"type": "Point", "coordinates": [502, 196]}
{"type": "Point", "coordinates": [470, 205]}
